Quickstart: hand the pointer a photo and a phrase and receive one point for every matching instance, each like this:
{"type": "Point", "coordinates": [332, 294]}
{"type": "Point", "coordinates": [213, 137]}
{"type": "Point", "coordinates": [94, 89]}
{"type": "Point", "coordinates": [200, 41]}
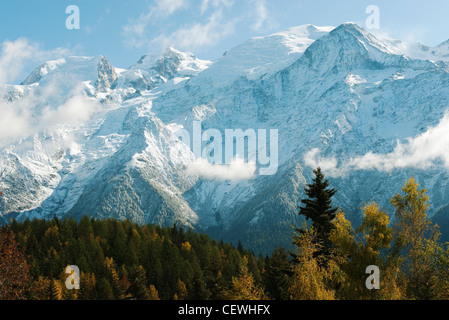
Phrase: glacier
{"type": "Point", "coordinates": [83, 137]}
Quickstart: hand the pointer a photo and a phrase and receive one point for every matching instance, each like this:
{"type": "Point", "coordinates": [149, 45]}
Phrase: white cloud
{"type": "Point", "coordinates": [421, 152]}
{"type": "Point", "coordinates": [12, 123]}
{"type": "Point", "coordinates": [261, 14]}
{"type": "Point", "coordinates": [313, 159]}
{"type": "Point", "coordinates": [76, 109]}
{"type": "Point", "coordinates": [135, 29]}
{"type": "Point", "coordinates": [30, 114]}
{"type": "Point", "coordinates": [197, 35]}
{"type": "Point", "coordinates": [168, 7]}
{"type": "Point", "coordinates": [237, 170]}
{"type": "Point", "coordinates": [191, 36]}
{"type": "Point", "coordinates": [206, 4]}
{"type": "Point", "coordinates": [16, 55]}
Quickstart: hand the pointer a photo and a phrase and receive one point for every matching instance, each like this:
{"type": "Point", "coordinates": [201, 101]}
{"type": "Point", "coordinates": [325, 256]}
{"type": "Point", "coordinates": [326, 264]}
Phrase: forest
{"type": "Point", "coordinates": [121, 260]}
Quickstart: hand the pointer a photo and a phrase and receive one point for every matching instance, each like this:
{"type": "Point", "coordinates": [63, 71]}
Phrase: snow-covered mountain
{"type": "Point", "coordinates": [97, 140]}
{"type": "Point", "coordinates": [152, 71]}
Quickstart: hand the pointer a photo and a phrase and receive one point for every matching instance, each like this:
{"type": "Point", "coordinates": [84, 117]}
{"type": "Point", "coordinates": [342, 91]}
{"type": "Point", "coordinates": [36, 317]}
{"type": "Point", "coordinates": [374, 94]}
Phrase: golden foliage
{"type": "Point", "coordinates": [243, 287]}
{"type": "Point", "coordinates": [310, 277]}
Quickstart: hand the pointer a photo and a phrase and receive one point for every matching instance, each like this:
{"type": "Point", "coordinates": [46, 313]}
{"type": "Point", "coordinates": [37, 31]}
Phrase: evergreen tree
{"type": "Point", "coordinates": [198, 290]}
{"type": "Point", "coordinates": [240, 248]}
{"type": "Point", "coordinates": [85, 227]}
{"type": "Point", "coordinates": [119, 245]}
{"type": "Point", "coordinates": [275, 277]}
{"type": "Point", "coordinates": [104, 290]}
{"type": "Point", "coordinates": [318, 208]}
{"type": "Point", "coordinates": [138, 288]}
{"type": "Point", "coordinates": [87, 286]}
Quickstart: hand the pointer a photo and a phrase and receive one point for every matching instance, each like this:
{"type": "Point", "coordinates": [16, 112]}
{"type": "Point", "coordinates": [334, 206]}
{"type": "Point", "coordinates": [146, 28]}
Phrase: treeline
{"type": "Point", "coordinates": [123, 260]}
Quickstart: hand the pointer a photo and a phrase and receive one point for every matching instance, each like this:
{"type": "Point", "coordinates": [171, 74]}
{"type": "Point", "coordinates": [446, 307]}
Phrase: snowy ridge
{"type": "Point", "coordinates": [152, 71]}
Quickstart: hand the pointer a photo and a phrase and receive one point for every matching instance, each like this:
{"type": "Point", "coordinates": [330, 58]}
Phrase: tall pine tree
{"type": "Point", "coordinates": [318, 208]}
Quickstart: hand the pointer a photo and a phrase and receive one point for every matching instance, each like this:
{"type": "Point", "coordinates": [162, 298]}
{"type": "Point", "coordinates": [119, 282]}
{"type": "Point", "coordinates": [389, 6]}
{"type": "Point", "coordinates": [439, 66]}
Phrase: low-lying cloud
{"type": "Point", "coordinates": [31, 114]}
{"type": "Point", "coordinates": [237, 170]}
{"type": "Point", "coordinates": [421, 152]}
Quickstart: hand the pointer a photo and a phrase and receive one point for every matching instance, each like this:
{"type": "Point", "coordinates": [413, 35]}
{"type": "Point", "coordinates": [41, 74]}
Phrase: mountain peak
{"type": "Point", "coordinates": [173, 51]}
{"type": "Point", "coordinates": [351, 29]}
{"type": "Point", "coordinates": [153, 70]}
{"type": "Point", "coordinates": [350, 26]}
{"type": "Point", "coordinates": [350, 46]}
{"type": "Point", "coordinates": [170, 58]}
{"type": "Point", "coordinates": [443, 44]}
{"type": "Point", "coordinates": [78, 67]}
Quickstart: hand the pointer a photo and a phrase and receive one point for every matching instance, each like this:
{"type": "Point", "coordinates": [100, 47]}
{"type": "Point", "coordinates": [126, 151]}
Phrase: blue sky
{"type": "Point", "coordinates": [35, 31]}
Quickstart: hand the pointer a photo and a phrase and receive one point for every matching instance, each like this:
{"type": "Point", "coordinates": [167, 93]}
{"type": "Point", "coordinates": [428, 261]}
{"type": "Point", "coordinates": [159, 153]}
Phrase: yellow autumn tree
{"type": "Point", "coordinates": [243, 286]}
{"type": "Point", "coordinates": [417, 240]}
{"type": "Point", "coordinates": [114, 278]}
{"type": "Point", "coordinates": [181, 291]}
{"type": "Point", "coordinates": [311, 277]}
{"type": "Point", "coordinates": [355, 250]}
{"type": "Point", "coordinates": [54, 290]}
{"type": "Point", "coordinates": [153, 294]}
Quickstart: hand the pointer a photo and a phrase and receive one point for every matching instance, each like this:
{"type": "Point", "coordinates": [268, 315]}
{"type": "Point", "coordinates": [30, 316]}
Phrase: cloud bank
{"type": "Point", "coordinates": [422, 152]}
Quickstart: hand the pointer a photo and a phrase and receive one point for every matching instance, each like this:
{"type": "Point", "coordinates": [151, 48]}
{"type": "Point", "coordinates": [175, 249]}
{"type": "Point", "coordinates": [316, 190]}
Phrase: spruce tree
{"type": "Point", "coordinates": [275, 278]}
{"type": "Point", "coordinates": [318, 208]}
{"type": "Point", "coordinates": [198, 290]}
{"type": "Point", "coordinates": [138, 288]}
{"type": "Point", "coordinates": [104, 290]}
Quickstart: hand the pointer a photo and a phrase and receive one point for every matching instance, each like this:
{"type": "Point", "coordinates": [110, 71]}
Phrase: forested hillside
{"type": "Point", "coordinates": [330, 259]}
